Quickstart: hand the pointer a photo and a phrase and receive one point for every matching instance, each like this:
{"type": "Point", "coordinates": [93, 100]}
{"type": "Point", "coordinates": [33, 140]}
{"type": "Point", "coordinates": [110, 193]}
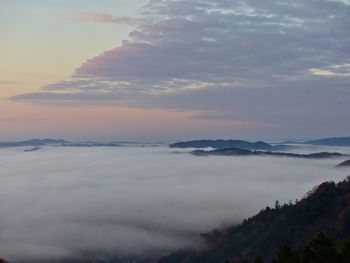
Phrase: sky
{"type": "Point", "coordinates": [164, 70]}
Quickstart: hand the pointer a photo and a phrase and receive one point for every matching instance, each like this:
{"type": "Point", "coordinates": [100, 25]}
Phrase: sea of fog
{"type": "Point", "coordinates": [62, 202]}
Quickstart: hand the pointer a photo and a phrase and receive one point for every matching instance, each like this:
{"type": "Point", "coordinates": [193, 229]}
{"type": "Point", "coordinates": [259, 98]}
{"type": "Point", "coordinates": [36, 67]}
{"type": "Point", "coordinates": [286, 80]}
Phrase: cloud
{"type": "Point", "coordinates": [342, 70]}
{"type": "Point", "coordinates": [223, 48]}
{"type": "Point", "coordinates": [101, 17]}
{"type": "Point", "coordinates": [105, 202]}
{"type": "Point", "coordinates": [233, 43]}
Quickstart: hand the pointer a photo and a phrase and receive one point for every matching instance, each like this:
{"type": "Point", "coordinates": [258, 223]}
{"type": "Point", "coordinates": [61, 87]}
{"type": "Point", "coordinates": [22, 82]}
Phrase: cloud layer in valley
{"type": "Point", "coordinates": [69, 202]}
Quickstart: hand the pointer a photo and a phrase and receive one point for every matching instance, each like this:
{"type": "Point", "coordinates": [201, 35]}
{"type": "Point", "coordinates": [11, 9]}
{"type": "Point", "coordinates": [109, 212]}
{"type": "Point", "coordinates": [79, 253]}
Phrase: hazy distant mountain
{"type": "Point", "coordinates": [344, 164]}
{"type": "Point", "coordinates": [54, 142]}
{"type": "Point", "coordinates": [33, 142]}
{"type": "Point", "coordinates": [241, 152]}
{"type": "Point", "coordinates": [336, 141]}
{"type": "Point", "coordinates": [326, 208]}
{"type": "Point", "coordinates": [90, 144]}
{"type": "Point", "coordinates": [223, 144]}
{"type": "Point", "coordinates": [32, 149]}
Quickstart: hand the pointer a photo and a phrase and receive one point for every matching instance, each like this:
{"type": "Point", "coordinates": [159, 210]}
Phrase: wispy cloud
{"type": "Point", "coordinates": [101, 17]}
{"type": "Point", "coordinates": [342, 70]}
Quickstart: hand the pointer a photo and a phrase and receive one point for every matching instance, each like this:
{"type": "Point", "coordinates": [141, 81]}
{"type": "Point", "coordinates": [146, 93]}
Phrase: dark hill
{"type": "Point", "coordinates": [241, 152]}
{"type": "Point", "coordinates": [326, 208]}
{"type": "Point", "coordinates": [344, 164]}
{"type": "Point", "coordinates": [337, 141]}
{"type": "Point", "coordinates": [222, 144]}
{"type": "Point", "coordinates": [33, 142]}
{"type": "Point", "coordinates": [53, 142]}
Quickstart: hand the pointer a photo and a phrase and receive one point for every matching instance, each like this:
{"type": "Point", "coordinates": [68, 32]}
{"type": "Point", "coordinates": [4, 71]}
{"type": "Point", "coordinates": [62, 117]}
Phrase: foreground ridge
{"type": "Point", "coordinates": [326, 208]}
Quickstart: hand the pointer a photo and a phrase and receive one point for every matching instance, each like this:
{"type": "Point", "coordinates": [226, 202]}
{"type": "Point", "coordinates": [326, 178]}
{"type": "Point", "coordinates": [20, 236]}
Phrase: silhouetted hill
{"type": "Point", "coordinates": [326, 208]}
{"type": "Point", "coordinates": [90, 144]}
{"type": "Point", "coordinates": [241, 152]}
{"type": "Point", "coordinates": [33, 142]}
{"type": "Point", "coordinates": [53, 142]}
{"type": "Point", "coordinates": [344, 164]}
{"type": "Point", "coordinates": [222, 144]}
{"type": "Point", "coordinates": [34, 149]}
{"type": "Point", "coordinates": [337, 141]}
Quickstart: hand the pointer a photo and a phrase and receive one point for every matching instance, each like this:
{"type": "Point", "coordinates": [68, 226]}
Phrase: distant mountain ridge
{"type": "Point", "coordinates": [223, 144]}
{"type": "Point", "coordinates": [336, 141]}
{"type": "Point", "coordinates": [33, 142]}
{"type": "Point", "coordinates": [63, 143]}
{"type": "Point", "coordinates": [241, 152]}
{"type": "Point", "coordinates": [258, 145]}
{"type": "Point", "coordinates": [54, 142]}
{"type": "Point", "coordinates": [344, 164]}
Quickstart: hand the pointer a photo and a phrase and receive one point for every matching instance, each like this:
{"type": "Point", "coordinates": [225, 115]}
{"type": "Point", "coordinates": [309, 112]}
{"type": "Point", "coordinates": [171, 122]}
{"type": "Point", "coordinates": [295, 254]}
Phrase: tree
{"type": "Point", "coordinates": [277, 205]}
{"type": "Point", "coordinates": [259, 259]}
{"type": "Point", "coordinates": [319, 250]}
{"type": "Point", "coordinates": [344, 251]}
{"type": "Point", "coordinates": [286, 254]}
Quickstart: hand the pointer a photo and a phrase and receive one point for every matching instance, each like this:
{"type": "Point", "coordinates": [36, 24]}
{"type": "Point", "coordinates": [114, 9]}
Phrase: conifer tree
{"type": "Point", "coordinates": [258, 259]}
{"type": "Point", "coordinates": [286, 254]}
{"type": "Point", "coordinates": [344, 251]}
{"type": "Point", "coordinates": [320, 250]}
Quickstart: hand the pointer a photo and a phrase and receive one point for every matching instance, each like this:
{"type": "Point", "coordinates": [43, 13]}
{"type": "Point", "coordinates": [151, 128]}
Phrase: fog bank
{"type": "Point", "coordinates": [65, 202]}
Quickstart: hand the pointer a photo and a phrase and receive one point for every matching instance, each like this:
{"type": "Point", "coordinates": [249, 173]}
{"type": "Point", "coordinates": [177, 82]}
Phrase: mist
{"type": "Point", "coordinates": [62, 202]}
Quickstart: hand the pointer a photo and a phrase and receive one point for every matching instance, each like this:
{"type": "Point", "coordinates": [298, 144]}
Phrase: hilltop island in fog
{"type": "Point", "coordinates": [241, 152]}
{"type": "Point", "coordinates": [258, 145]}
{"type": "Point", "coordinates": [222, 144]}
{"type": "Point", "coordinates": [344, 164]}
{"type": "Point", "coordinates": [58, 142]}
{"type": "Point", "coordinates": [33, 143]}
{"type": "Point", "coordinates": [336, 141]}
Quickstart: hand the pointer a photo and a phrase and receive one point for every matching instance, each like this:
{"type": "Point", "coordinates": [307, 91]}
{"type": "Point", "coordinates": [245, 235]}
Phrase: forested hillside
{"type": "Point", "coordinates": [325, 209]}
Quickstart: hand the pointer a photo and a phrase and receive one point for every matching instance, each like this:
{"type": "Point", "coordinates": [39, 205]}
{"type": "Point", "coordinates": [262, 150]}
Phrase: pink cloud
{"type": "Point", "coordinates": [101, 17]}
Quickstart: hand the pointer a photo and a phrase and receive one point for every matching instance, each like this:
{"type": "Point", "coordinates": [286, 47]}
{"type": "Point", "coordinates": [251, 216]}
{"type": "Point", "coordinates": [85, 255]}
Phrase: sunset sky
{"type": "Point", "coordinates": [174, 69]}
